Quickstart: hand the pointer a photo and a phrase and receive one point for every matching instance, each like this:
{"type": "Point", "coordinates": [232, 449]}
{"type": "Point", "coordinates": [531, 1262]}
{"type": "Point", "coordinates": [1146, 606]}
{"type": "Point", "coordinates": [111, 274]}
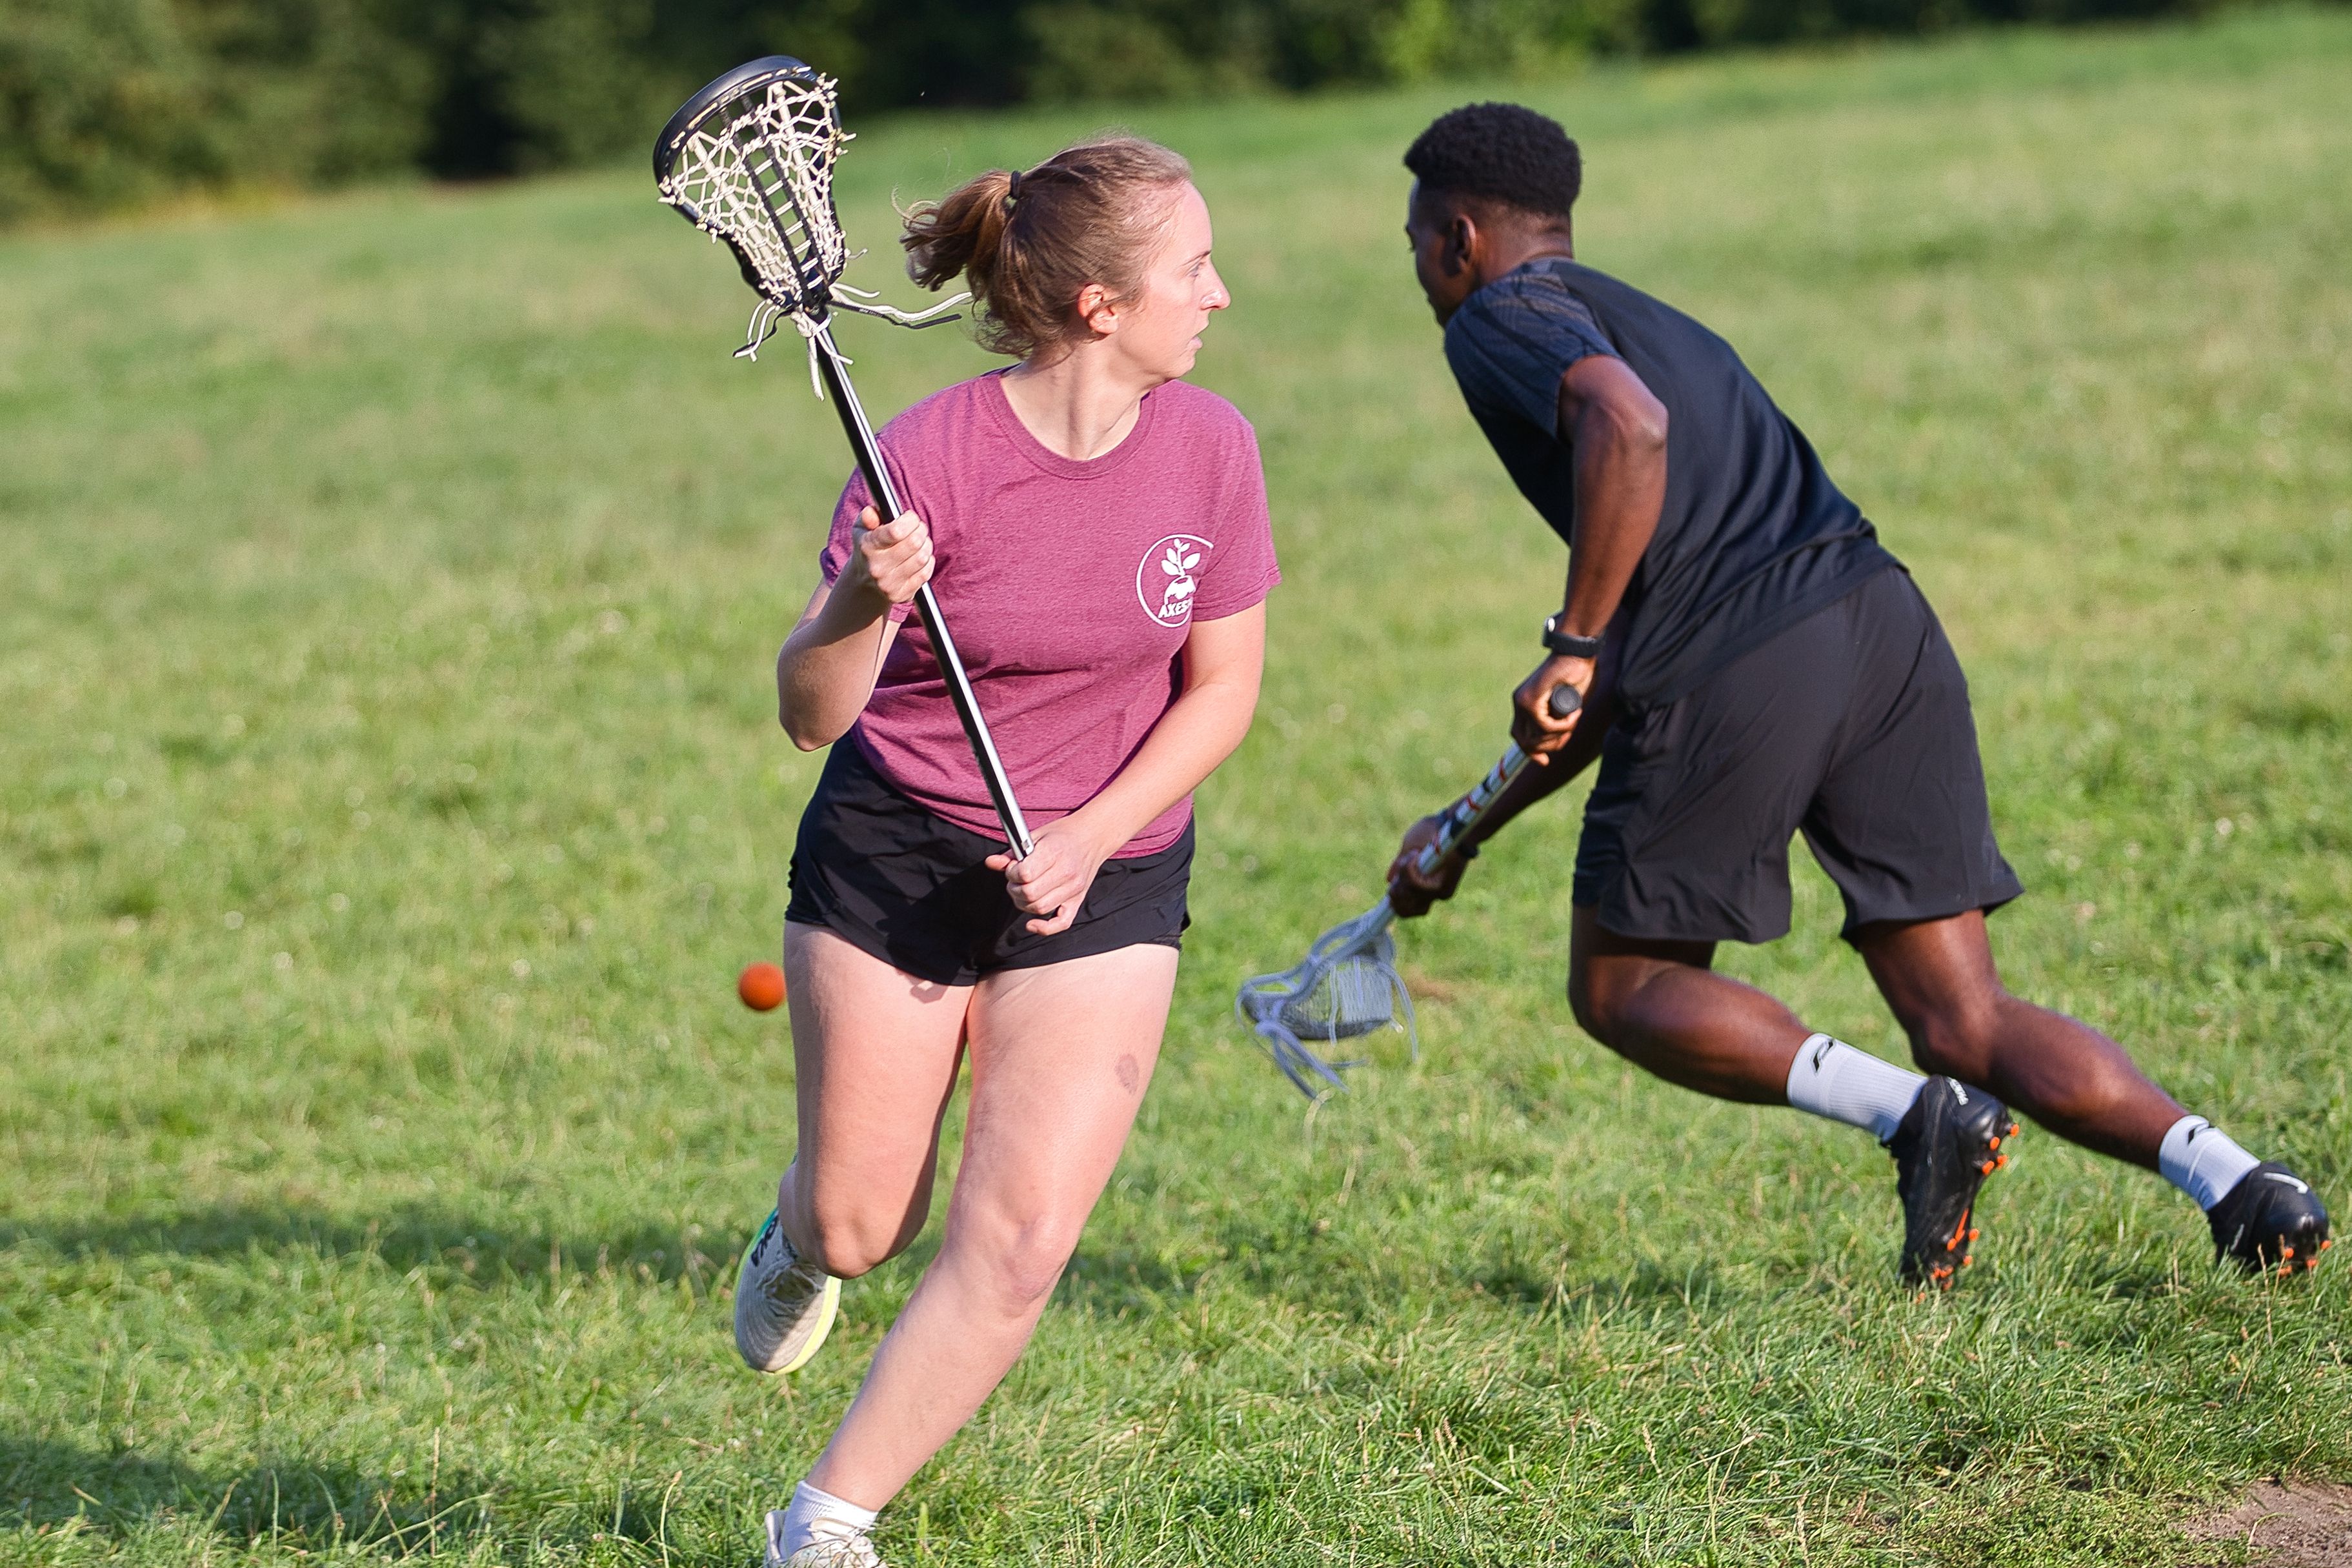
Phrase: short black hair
{"type": "Point", "coordinates": [1500, 153]}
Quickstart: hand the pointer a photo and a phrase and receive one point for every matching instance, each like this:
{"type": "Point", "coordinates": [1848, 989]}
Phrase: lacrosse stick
{"type": "Point", "coordinates": [749, 160]}
{"type": "Point", "coordinates": [1347, 984]}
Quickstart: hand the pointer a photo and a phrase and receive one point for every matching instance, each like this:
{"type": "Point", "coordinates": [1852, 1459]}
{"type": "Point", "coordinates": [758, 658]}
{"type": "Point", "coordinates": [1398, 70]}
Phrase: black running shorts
{"type": "Point", "coordinates": [914, 889]}
{"type": "Point", "coordinates": [1852, 727]}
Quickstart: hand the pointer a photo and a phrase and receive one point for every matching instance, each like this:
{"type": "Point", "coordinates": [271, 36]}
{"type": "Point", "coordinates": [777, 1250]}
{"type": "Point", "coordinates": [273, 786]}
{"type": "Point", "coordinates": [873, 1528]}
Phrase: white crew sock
{"type": "Point", "coordinates": [1832, 1079]}
{"type": "Point", "coordinates": [812, 1516]}
{"type": "Point", "coordinates": [2202, 1161]}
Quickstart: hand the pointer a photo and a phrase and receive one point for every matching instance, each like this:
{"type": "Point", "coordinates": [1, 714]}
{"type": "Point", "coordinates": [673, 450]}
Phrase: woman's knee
{"type": "Point", "coordinates": [1020, 1260]}
{"type": "Point", "coordinates": [847, 1239]}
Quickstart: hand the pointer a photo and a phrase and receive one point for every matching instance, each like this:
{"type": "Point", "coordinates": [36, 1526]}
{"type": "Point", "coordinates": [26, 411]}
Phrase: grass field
{"type": "Point", "coordinates": [390, 790]}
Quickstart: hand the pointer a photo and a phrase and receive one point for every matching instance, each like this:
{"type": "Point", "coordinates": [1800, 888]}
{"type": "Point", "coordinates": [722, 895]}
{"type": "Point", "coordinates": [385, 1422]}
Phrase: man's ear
{"type": "Point", "coordinates": [1462, 243]}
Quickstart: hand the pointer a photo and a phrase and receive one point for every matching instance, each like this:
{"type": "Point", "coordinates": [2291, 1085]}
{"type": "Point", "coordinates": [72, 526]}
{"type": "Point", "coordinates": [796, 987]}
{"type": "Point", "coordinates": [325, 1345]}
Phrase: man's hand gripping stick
{"type": "Point", "coordinates": [1456, 820]}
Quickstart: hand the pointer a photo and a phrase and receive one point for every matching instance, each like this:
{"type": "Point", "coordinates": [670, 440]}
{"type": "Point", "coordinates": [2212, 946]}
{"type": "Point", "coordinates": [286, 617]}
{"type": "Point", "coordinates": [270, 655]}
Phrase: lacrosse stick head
{"type": "Point", "coordinates": [749, 160]}
{"type": "Point", "coordinates": [1346, 987]}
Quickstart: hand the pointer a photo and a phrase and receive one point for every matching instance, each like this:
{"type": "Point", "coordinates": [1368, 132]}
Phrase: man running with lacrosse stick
{"type": "Point", "coordinates": [1753, 664]}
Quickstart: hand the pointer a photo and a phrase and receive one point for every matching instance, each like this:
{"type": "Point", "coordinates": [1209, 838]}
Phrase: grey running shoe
{"type": "Point", "coordinates": [783, 1307]}
{"type": "Point", "coordinates": [2270, 1220]}
{"type": "Point", "coordinates": [1948, 1143]}
{"type": "Point", "coordinates": [851, 1551]}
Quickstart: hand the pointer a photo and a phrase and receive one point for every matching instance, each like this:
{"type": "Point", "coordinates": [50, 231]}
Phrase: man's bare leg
{"type": "Point", "coordinates": [1660, 1005]}
{"type": "Point", "coordinates": [1939, 978]}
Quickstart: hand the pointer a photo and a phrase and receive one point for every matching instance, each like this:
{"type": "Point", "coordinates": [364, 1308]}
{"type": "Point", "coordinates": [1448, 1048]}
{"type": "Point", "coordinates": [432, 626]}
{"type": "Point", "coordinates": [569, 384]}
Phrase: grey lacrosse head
{"type": "Point", "coordinates": [1346, 987]}
{"type": "Point", "coordinates": [749, 160]}
{"type": "Point", "coordinates": [1355, 995]}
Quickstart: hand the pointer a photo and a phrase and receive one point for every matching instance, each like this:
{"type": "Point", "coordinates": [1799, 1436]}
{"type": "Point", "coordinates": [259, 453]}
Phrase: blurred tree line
{"type": "Point", "coordinates": [106, 102]}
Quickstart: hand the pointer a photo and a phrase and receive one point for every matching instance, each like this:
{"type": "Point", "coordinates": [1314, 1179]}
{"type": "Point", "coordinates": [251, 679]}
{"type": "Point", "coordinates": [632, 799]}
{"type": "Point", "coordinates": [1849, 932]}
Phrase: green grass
{"type": "Point", "coordinates": [389, 790]}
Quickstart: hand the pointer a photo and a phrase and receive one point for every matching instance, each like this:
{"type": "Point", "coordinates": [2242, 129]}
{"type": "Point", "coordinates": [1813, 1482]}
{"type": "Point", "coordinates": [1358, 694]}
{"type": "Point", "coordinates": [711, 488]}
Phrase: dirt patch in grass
{"type": "Point", "coordinates": [2307, 1525]}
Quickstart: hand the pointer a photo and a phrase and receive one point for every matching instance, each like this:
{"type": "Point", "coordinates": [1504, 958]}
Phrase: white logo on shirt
{"type": "Point", "coordinates": [1164, 579]}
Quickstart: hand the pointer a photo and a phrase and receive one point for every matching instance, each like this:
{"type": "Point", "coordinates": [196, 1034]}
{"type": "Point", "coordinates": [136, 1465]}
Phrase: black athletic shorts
{"type": "Point", "coordinates": [914, 889]}
{"type": "Point", "coordinates": [1852, 727]}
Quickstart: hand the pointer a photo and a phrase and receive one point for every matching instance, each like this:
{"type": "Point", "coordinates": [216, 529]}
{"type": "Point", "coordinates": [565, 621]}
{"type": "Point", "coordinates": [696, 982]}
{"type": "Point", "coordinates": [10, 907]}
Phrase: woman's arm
{"type": "Point", "coordinates": [828, 666]}
{"type": "Point", "coordinates": [1223, 661]}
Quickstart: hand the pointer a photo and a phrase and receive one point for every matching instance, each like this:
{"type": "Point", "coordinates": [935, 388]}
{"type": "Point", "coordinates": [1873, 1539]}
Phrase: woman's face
{"type": "Point", "coordinates": [1159, 329]}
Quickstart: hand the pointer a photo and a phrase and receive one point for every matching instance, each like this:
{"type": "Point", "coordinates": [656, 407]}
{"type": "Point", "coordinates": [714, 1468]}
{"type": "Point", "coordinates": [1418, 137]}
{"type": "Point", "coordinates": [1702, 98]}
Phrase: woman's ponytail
{"type": "Point", "coordinates": [959, 235]}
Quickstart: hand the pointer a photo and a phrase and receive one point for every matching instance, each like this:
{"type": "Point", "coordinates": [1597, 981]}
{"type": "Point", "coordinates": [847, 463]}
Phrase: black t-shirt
{"type": "Point", "coordinates": [1753, 537]}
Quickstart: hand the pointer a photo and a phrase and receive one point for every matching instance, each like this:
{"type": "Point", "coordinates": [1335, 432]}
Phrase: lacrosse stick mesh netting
{"type": "Point", "coordinates": [1348, 987]}
{"type": "Point", "coordinates": [749, 160]}
{"type": "Point", "coordinates": [755, 169]}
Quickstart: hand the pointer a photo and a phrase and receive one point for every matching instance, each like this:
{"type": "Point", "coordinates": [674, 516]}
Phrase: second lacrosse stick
{"type": "Point", "coordinates": [1347, 984]}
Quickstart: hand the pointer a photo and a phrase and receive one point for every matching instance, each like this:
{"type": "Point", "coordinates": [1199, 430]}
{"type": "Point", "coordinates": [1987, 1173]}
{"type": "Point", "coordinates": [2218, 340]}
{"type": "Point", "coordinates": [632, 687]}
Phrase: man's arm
{"type": "Point", "coordinates": [1618, 431]}
{"type": "Point", "coordinates": [1411, 893]}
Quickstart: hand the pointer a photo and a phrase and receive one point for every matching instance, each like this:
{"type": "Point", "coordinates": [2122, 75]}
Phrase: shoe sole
{"type": "Point", "coordinates": [2293, 1257]}
{"type": "Point", "coordinates": [1931, 1271]}
{"type": "Point", "coordinates": [2290, 1264]}
{"type": "Point", "coordinates": [828, 1306]}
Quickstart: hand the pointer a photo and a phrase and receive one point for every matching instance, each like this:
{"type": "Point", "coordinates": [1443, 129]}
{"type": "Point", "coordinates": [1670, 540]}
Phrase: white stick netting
{"type": "Point", "coordinates": [754, 168]}
{"type": "Point", "coordinates": [758, 174]}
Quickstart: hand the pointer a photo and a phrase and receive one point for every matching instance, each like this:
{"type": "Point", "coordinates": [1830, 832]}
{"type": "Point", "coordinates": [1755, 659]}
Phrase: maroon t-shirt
{"type": "Point", "coordinates": [1070, 587]}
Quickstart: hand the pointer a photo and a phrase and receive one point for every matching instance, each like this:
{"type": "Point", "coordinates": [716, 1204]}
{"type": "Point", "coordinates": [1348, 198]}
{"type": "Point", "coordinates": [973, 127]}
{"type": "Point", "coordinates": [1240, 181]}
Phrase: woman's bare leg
{"type": "Point", "coordinates": [1060, 1055]}
{"type": "Point", "coordinates": [875, 1053]}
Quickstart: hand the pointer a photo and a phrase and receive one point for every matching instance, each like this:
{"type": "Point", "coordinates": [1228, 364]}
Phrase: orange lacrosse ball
{"type": "Point", "coordinates": [762, 986]}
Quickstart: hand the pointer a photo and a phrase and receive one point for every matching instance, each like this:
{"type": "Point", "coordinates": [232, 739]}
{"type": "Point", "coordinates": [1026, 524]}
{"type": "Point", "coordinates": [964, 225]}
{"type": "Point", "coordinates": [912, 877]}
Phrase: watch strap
{"type": "Point", "coordinates": [1566, 644]}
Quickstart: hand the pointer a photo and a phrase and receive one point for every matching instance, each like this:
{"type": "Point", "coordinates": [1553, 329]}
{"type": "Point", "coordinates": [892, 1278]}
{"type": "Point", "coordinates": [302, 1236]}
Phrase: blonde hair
{"type": "Point", "coordinates": [1026, 242]}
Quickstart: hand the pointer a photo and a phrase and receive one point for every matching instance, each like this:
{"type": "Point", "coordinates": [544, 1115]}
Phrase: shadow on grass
{"type": "Point", "coordinates": [48, 1486]}
{"type": "Point", "coordinates": [485, 1253]}
{"type": "Point", "coordinates": [308, 1504]}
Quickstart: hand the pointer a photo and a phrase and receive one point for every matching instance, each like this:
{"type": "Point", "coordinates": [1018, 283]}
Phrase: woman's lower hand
{"type": "Point", "coordinates": [1050, 881]}
{"type": "Point", "coordinates": [887, 560]}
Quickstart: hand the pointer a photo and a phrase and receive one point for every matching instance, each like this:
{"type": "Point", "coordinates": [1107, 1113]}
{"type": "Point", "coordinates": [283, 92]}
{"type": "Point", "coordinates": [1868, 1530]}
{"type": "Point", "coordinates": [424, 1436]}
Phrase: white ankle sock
{"type": "Point", "coordinates": [1832, 1079]}
{"type": "Point", "coordinates": [2201, 1160]}
{"type": "Point", "coordinates": [816, 1515]}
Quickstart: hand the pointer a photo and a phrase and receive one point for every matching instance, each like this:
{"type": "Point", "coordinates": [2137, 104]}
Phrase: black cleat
{"type": "Point", "coordinates": [1948, 1143]}
{"type": "Point", "coordinates": [2271, 1220]}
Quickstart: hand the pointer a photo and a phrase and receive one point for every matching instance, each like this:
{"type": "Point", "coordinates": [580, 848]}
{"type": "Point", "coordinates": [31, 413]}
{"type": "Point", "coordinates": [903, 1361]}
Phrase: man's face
{"type": "Point", "coordinates": [1442, 243]}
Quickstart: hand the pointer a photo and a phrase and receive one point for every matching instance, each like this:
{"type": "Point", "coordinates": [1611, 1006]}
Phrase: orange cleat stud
{"type": "Point", "coordinates": [1974, 1233]}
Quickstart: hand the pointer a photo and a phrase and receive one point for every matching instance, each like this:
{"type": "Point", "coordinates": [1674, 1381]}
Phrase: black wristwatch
{"type": "Point", "coordinates": [1568, 644]}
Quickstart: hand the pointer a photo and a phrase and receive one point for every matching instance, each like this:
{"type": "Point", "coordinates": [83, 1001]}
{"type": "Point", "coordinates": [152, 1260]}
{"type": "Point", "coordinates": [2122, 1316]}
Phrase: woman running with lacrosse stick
{"type": "Point", "coordinates": [1096, 531]}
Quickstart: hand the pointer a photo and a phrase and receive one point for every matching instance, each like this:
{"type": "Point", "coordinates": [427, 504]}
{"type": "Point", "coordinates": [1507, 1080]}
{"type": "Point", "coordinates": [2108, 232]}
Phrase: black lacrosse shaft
{"type": "Point", "coordinates": [835, 372]}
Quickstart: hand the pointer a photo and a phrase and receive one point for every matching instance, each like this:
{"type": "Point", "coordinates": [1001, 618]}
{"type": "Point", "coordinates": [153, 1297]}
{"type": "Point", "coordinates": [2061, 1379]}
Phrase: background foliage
{"type": "Point", "coordinates": [108, 102]}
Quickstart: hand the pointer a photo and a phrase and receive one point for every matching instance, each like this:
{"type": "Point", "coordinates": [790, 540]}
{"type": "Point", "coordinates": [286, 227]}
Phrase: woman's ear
{"type": "Point", "coordinates": [1097, 309]}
